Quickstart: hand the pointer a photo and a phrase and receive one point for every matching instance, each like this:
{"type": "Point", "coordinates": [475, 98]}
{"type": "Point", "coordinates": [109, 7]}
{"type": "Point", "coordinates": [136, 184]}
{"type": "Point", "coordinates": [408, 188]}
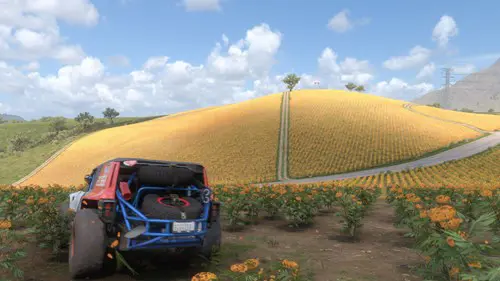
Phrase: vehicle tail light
{"type": "Point", "coordinates": [205, 178]}
{"type": "Point", "coordinates": [107, 210]}
{"type": "Point", "coordinates": [125, 190]}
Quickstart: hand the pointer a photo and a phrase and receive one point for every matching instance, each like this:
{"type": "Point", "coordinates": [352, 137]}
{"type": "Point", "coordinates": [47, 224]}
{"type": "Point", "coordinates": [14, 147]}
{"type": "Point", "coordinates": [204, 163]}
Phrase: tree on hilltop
{"type": "Point", "coordinates": [291, 80]}
{"type": "Point", "coordinates": [360, 88]}
{"type": "Point", "coordinates": [350, 86]}
{"type": "Point", "coordinates": [110, 113]}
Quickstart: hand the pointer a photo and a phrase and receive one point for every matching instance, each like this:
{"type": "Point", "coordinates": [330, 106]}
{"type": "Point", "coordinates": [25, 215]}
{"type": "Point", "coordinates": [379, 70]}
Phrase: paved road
{"type": "Point", "coordinates": [409, 107]}
{"type": "Point", "coordinates": [459, 152]}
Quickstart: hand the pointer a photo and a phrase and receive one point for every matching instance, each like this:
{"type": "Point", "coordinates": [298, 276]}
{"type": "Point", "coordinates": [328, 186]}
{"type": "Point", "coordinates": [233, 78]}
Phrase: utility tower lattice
{"type": "Point", "coordinates": [447, 83]}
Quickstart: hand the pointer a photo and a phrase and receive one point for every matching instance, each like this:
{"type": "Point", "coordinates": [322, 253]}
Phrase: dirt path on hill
{"type": "Point", "coordinates": [282, 165]}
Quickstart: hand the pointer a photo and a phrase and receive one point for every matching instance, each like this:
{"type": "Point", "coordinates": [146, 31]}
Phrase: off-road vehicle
{"type": "Point", "coordinates": [145, 205]}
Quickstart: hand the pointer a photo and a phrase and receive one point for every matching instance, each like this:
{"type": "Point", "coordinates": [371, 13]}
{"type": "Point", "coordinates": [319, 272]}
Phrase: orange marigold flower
{"type": "Point", "coordinates": [442, 199]}
{"type": "Point", "coordinates": [298, 198]}
{"type": "Point", "coordinates": [418, 206]}
{"type": "Point", "coordinates": [462, 234]}
{"type": "Point", "coordinates": [486, 193]}
{"type": "Point", "coordinates": [204, 276]}
{"type": "Point", "coordinates": [252, 263]}
{"type": "Point", "coordinates": [5, 224]}
{"type": "Point", "coordinates": [43, 200]}
{"type": "Point", "coordinates": [289, 264]}
{"type": "Point", "coordinates": [442, 213]}
{"type": "Point", "coordinates": [453, 271]}
{"type": "Point", "coordinates": [427, 259]}
{"type": "Point", "coordinates": [475, 264]}
{"type": "Point", "coordinates": [450, 242]}
{"type": "Point", "coordinates": [338, 194]}
{"type": "Point", "coordinates": [423, 214]}
{"type": "Point", "coordinates": [239, 267]}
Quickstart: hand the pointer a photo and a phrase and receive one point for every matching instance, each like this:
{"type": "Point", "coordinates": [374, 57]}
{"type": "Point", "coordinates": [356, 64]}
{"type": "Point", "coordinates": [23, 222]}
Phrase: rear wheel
{"type": "Point", "coordinates": [212, 241]}
{"type": "Point", "coordinates": [87, 253]}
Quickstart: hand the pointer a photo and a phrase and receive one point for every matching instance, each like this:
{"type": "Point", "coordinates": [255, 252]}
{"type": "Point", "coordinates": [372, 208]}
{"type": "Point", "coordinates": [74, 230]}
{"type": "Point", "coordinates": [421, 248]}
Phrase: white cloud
{"type": "Point", "coordinates": [202, 5]}
{"type": "Point", "coordinates": [399, 89]}
{"type": "Point", "coordinates": [445, 29]}
{"type": "Point", "coordinates": [69, 54]}
{"type": "Point", "coordinates": [29, 30]}
{"type": "Point", "coordinates": [159, 85]}
{"type": "Point", "coordinates": [72, 11]}
{"type": "Point", "coordinates": [32, 66]}
{"type": "Point", "coordinates": [342, 23]}
{"type": "Point", "coordinates": [464, 69]}
{"type": "Point", "coordinates": [427, 71]}
{"type": "Point", "coordinates": [155, 62]}
{"type": "Point", "coordinates": [119, 61]}
{"type": "Point", "coordinates": [417, 56]}
{"type": "Point", "coordinates": [349, 70]}
{"type": "Point", "coordinates": [225, 39]}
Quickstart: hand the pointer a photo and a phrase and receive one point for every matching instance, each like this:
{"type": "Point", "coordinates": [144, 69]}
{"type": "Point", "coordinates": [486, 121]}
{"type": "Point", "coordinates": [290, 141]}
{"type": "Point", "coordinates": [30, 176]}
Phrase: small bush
{"type": "Point", "coordinates": [19, 142]}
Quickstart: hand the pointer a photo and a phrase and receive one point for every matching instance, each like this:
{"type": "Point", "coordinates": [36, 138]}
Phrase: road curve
{"type": "Point", "coordinates": [409, 107]}
{"type": "Point", "coordinates": [456, 153]}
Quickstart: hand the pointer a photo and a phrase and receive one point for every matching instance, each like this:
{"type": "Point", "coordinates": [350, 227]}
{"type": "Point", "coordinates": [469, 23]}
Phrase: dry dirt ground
{"type": "Point", "coordinates": [382, 254]}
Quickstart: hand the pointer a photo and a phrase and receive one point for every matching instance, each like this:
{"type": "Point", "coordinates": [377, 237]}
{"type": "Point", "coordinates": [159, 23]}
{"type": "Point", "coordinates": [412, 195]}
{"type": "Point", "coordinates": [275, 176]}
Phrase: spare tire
{"type": "Point", "coordinates": [156, 207]}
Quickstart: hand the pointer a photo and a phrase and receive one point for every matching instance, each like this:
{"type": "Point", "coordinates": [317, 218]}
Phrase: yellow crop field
{"type": "Point", "coordinates": [237, 143]}
{"type": "Point", "coordinates": [478, 171]}
{"type": "Point", "coordinates": [487, 122]}
{"type": "Point", "coordinates": [338, 131]}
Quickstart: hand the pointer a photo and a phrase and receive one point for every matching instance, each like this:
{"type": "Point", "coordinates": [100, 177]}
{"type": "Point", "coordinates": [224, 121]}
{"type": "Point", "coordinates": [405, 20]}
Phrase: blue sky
{"type": "Point", "coordinates": [98, 45]}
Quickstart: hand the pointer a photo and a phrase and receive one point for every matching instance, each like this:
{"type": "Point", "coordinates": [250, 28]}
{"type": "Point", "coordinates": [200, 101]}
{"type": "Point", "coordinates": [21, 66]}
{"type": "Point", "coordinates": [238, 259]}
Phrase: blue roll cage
{"type": "Point", "coordinates": [165, 238]}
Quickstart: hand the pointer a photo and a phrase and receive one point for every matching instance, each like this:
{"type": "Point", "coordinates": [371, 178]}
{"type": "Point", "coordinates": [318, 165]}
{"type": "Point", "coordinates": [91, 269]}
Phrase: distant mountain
{"type": "Point", "coordinates": [9, 117]}
{"type": "Point", "coordinates": [478, 91]}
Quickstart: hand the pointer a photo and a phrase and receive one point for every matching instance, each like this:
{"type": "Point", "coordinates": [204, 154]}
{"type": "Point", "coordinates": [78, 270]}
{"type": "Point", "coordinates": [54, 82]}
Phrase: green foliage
{"type": "Point", "coordinates": [57, 124]}
{"type": "Point", "coordinates": [350, 86]}
{"type": "Point", "coordinates": [291, 80]}
{"type": "Point", "coordinates": [436, 104]}
{"type": "Point", "coordinates": [360, 88]}
{"type": "Point", "coordinates": [85, 120]}
{"type": "Point", "coordinates": [19, 143]}
{"type": "Point", "coordinates": [466, 110]}
{"type": "Point", "coordinates": [491, 110]}
{"type": "Point", "coordinates": [110, 113]}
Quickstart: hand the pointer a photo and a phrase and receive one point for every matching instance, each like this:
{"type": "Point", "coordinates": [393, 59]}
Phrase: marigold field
{"type": "Point", "coordinates": [480, 170]}
{"type": "Point", "coordinates": [338, 131]}
{"type": "Point", "coordinates": [237, 143]}
{"type": "Point", "coordinates": [487, 122]}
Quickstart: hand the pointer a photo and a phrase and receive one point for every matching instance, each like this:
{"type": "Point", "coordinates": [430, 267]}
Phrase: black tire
{"type": "Point", "coordinates": [213, 239]}
{"type": "Point", "coordinates": [152, 209]}
{"type": "Point", "coordinates": [211, 243]}
{"type": "Point", "coordinates": [87, 251]}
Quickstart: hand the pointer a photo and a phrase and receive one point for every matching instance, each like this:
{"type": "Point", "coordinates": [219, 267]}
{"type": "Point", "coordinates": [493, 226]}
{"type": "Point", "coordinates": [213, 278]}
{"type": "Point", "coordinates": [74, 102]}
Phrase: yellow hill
{"type": "Point", "coordinates": [337, 131]}
{"type": "Point", "coordinates": [488, 122]}
{"type": "Point", "coordinates": [235, 142]}
{"type": "Point", "coordinates": [330, 132]}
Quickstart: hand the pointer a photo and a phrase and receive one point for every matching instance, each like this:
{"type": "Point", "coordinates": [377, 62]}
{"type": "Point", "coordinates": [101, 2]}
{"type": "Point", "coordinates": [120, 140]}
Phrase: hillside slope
{"type": "Point", "coordinates": [236, 143]}
{"type": "Point", "coordinates": [487, 122]}
{"type": "Point", "coordinates": [478, 91]}
{"type": "Point", "coordinates": [337, 131]}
